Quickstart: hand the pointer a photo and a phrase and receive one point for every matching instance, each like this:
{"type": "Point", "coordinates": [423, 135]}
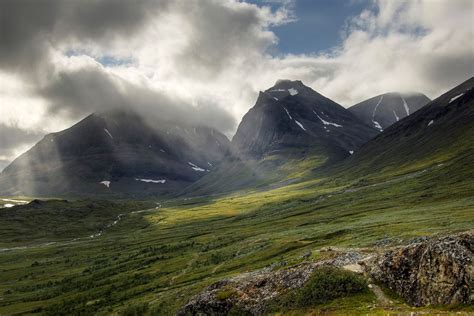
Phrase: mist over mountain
{"type": "Point", "coordinates": [116, 152]}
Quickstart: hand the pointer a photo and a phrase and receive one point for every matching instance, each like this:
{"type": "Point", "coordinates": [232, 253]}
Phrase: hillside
{"type": "Point", "coordinates": [441, 132]}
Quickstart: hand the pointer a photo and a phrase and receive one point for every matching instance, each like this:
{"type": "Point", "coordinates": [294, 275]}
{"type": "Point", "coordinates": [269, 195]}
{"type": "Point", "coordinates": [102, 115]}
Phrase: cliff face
{"type": "Point", "coordinates": [438, 271]}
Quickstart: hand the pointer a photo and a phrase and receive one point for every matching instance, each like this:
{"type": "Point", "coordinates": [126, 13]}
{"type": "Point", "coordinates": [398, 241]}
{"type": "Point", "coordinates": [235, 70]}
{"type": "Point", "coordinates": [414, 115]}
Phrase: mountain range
{"type": "Point", "coordinates": [289, 133]}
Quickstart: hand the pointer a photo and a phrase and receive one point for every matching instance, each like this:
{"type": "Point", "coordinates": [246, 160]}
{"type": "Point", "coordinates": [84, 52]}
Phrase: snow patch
{"type": "Point", "coordinates": [300, 125]}
{"type": "Point", "coordinates": [430, 123]}
{"type": "Point", "coordinates": [326, 122]}
{"type": "Point", "coordinates": [293, 91]}
{"type": "Point", "coordinates": [377, 125]}
{"type": "Point", "coordinates": [277, 90]}
{"type": "Point", "coordinates": [151, 180]}
{"type": "Point", "coordinates": [275, 98]}
{"type": "Point", "coordinates": [8, 205]}
{"type": "Point", "coordinates": [288, 113]}
{"type": "Point", "coordinates": [456, 97]}
{"type": "Point", "coordinates": [396, 116]}
{"type": "Point", "coordinates": [351, 152]}
{"type": "Point", "coordinates": [106, 183]}
{"type": "Point", "coordinates": [405, 105]}
{"type": "Point", "coordinates": [196, 168]}
{"type": "Point", "coordinates": [108, 133]}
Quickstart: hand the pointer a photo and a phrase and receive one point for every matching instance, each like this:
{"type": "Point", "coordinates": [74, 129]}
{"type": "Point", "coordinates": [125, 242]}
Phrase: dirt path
{"type": "Point", "coordinates": [188, 266]}
{"type": "Point", "coordinates": [382, 300]}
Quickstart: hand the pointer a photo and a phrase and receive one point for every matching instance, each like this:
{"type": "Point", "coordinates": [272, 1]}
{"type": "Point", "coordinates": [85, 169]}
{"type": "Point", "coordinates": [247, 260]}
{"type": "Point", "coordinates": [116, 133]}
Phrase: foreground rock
{"type": "Point", "coordinates": [426, 271]}
{"type": "Point", "coordinates": [437, 271]}
{"type": "Point", "coordinates": [249, 292]}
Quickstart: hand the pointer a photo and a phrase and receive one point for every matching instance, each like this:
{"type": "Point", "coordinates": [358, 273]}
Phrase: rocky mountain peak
{"type": "Point", "coordinates": [292, 115]}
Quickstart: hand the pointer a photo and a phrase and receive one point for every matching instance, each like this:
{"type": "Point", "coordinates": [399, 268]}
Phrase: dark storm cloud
{"type": "Point", "coordinates": [221, 35]}
{"type": "Point", "coordinates": [31, 29]}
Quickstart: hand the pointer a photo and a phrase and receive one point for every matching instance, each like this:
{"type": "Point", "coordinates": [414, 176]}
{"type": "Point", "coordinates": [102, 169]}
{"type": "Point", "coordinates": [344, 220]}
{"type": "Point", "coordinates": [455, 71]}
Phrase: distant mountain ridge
{"type": "Point", "coordinates": [383, 110]}
{"type": "Point", "coordinates": [291, 131]}
{"type": "Point", "coordinates": [116, 152]}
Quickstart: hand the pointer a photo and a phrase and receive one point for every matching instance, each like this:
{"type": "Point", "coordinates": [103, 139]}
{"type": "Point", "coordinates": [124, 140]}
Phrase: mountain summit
{"type": "Point", "coordinates": [290, 114]}
{"type": "Point", "coordinates": [385, 109]}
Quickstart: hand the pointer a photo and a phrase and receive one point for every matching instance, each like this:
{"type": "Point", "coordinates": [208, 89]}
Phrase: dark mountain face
{"type": "Point", "coordinates": [291, 114]}
{"type": "Point", "coordinates": [290, 131]}
{"type": "Point", "coordinates": [442, 130]}
{"type": "Point", "coordinates": [116, 152]}
{"type": "Point", "coordinates": [385, 109]}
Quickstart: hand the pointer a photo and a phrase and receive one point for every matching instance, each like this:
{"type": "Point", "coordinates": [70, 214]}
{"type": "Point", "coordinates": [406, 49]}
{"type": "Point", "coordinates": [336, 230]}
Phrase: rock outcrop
{"type": "Point", "coordinates": [437, 271]}
{"type": "Point", "coordinates": [426, 271]}
{"type": "Point", "coordinates": [248, 293]}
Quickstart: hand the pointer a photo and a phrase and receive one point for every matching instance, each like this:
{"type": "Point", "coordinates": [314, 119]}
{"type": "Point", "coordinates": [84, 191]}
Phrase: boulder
{"type": "Point", "coordinates": [436, 271]}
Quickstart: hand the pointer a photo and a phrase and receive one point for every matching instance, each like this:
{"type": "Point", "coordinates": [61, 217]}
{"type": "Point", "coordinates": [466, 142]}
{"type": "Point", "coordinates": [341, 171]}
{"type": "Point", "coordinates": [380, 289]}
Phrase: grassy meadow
{"type": "Point", "coordinates": [160, 253]}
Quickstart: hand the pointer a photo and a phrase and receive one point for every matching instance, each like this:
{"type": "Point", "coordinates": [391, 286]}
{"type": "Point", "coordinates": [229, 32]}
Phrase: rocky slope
{"type": "Point", "coordinates": [250, 292]}
{"type": "Point", "coordinates": [434, 271]}
{"type": "Point", "coordinates": [117, 152]}
{"type": "Point", "coordinates": [383, 110]}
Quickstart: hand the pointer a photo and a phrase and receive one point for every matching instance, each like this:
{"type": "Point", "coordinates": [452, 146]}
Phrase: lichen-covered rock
{"type": "Point", "coordinates": [436, 271]}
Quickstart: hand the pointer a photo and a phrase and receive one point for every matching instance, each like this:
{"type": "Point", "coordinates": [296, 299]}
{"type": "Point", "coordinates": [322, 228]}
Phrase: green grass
{"type": "Point", "coordinates": [163, 257]}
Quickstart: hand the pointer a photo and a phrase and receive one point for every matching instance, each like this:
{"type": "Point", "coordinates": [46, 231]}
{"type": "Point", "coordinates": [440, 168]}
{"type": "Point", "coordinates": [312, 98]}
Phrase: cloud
{"type": "Point", "coordinates": [206, 60]}
{"type": "Point", "coordinates": [14, 141]}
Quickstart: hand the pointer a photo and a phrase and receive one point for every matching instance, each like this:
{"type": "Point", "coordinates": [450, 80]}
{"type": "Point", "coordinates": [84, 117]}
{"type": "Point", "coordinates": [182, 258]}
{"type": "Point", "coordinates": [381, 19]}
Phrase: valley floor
{"type": "Point", "coordinates": [154, 261]}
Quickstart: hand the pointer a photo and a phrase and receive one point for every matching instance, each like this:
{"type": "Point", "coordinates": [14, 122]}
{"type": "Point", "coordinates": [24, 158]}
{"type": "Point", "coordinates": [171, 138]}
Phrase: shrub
{"type": "Point", "coordinates": [329, 283]}
{"type": "Point", "coordinates": [326, 284]}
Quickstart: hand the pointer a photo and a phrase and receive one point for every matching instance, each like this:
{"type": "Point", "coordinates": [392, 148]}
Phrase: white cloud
{"type": "Point", "coordinates": [215, 55]}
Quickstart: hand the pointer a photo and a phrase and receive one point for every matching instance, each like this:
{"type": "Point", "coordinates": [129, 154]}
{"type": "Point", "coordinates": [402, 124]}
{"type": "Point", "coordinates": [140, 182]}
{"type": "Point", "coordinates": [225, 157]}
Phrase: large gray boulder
{"type": "Point", "coordinates": [438, 271]}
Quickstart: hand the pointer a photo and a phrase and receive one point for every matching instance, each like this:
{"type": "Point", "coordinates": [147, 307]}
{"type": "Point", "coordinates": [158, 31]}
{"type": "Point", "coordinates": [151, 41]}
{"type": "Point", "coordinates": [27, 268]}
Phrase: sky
{"type": "Point", "coordinates": [62, 60]}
